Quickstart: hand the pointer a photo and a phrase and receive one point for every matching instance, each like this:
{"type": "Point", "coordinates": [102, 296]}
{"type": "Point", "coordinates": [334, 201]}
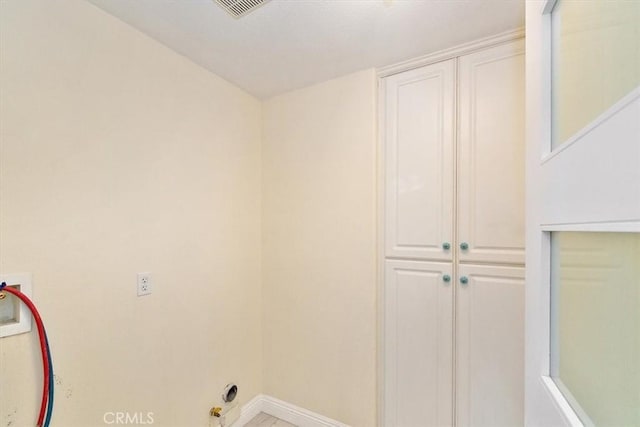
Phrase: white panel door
{"type": "Point", "coordinates": [419, 146]}
{"type": "Point", "coordinates": [490, 346]}
{"type": "Point", "coordinates": [588, 182]}
{"type": "Point", "coordinates": [418, 348]}
{"type": "Point", "coordinates": [491, 154]}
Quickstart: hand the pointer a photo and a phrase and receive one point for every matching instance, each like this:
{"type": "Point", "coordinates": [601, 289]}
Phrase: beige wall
{"type": "Point", "coordinates": [319, 248]}
{"type": "Point", "coordinates": [119, 156]}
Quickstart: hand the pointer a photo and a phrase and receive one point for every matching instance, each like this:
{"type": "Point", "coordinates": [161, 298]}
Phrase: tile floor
{"type": "Point", "coordinates": [266, 420]}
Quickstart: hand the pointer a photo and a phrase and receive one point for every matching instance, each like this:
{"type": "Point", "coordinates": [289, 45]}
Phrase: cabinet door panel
{"type": "Point", "coordinates": [491, 155]}
{"type": "Point", "coordinates": [490, 347]}
{"type": "Point", "coordinates": [419, 139]}
{"type": "Point", "coordinates": [418, 355]}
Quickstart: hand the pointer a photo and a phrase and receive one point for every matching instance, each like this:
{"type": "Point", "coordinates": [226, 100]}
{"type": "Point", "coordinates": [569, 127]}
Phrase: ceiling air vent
{"type": "Point", "coordinates": [239, 8]}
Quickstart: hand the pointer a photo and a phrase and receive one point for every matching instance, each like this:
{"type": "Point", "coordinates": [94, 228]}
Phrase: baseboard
{"type": "Point", "coordinates": [249, 410]}
{"type": "Point", "coordinates": [285, 411]}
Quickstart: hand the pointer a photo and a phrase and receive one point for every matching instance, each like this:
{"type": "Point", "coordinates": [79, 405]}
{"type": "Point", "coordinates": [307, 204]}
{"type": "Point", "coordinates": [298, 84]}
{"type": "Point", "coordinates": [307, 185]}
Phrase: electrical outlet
{"type": "Point", "coordinates": [144, 284]}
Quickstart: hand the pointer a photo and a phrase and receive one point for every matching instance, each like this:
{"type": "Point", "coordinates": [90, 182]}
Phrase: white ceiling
{"type": "Point", "coordinates": [289, 44]}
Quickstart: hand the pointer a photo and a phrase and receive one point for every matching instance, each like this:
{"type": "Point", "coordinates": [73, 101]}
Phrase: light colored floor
{"type": "Point", "coordinates": [266, 420]}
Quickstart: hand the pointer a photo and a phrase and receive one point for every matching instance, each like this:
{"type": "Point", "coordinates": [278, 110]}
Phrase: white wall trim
{"type": "Point", "coordinates": [249, 410]}
{"type": "Point", "coordinates": [285, 411]}
{"type": "Point", "coordinates": [453, 52]}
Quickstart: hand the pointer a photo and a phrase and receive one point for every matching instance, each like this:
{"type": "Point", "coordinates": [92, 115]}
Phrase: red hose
{"type": "Point", "coordinates": [43, 348]}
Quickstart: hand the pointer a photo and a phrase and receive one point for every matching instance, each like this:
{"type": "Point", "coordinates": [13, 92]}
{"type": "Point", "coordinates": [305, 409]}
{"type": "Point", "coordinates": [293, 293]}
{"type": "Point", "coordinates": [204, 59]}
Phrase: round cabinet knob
{"type": "Point", "coordinates": [446, 246]}
{"type": "Point", "coordinates": [464, 280]}
{"type": "Point", "coordinates": [464, 246]}
{"type": "Point", "coordinates": [446, 278]}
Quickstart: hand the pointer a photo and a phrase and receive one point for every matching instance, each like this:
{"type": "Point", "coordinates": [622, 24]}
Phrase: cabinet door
{"type": "Point", "coordinates": [419, 139]}
{"type": "Point", "coordinates": [418, 347]}
{"type": "Point", "coordinates": [491, 155]}
{"type": "Point", "coordinates": [490, 346]}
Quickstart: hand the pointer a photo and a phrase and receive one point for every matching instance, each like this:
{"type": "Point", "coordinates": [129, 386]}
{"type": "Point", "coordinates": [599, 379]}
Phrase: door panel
{"type": "Point", "coordinates": [491, 155]}
{"type": "Point", "coordinates": [588, 183]}
{"type": "Point", "coordinates": [418, 331]}
{"type": "Point", "coordinates": [490, 346]}
{"type": "Point", "coordinates": [419, 140]}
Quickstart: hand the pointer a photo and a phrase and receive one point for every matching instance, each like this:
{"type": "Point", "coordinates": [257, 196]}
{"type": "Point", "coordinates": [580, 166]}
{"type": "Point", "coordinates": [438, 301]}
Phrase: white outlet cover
{"type": "Point", "coordinates": [23, 323]}
{"type": "Point", "coordinates": [145, 284]}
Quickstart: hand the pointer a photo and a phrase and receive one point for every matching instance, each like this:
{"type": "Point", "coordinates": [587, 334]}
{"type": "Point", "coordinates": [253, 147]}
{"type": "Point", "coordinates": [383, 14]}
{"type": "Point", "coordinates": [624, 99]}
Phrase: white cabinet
{"type": "Point", "coordinates": [490, 346]}
{"type": "Point", "coordinates": [419, 128]}
{"type": "Point", "coordinates": [419, 137]}
{"type": "Point", "coordinates": [453, 294]}
{"type": "Point", "coordinates": [418, 299]}
{"type": "Point", "coordinates": [491, 155]}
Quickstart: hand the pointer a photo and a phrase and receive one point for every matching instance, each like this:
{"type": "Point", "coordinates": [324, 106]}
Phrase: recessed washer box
{"type": "Point", "coordinates": [15, 317]}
